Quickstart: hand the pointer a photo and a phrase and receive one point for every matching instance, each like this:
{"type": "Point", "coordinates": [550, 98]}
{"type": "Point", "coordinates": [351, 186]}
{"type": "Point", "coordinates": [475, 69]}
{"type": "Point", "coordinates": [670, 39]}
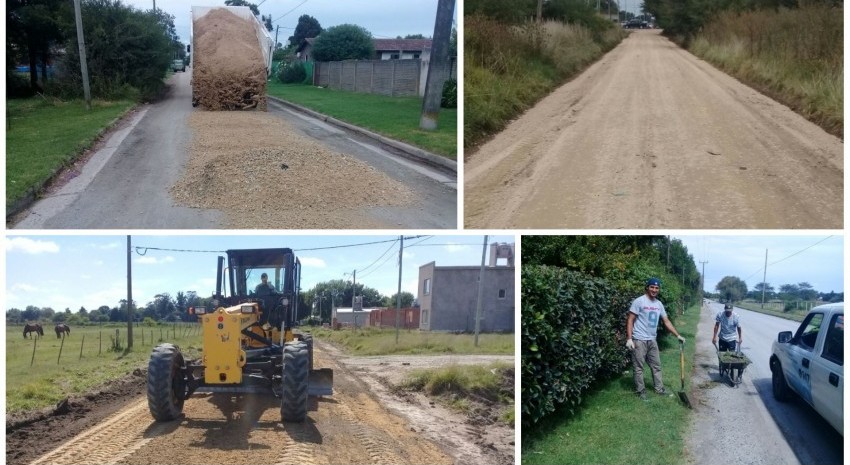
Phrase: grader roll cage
{"type": "Point", "coordinates": [249, 342]}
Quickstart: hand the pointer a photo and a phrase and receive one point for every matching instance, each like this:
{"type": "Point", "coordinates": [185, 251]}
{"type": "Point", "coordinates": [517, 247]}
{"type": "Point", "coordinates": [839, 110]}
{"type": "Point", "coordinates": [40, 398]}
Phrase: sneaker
{"type": "Point", "coordinates": [642, 396]}
{"type": "Point", "coordinates": [662, 392]}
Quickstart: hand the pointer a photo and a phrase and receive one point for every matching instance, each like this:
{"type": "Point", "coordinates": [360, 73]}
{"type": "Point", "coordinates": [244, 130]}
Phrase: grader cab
{"type": "Point", "coordinates": [250, 345]}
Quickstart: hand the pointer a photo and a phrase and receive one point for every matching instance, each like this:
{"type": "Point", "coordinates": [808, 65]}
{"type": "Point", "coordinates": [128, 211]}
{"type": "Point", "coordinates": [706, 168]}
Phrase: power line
{"type": "Point", "coordinates": [786, 258]}
{"type": "Point", "coordinates": [380, 257]}
{"type": "Point", "coordinates": [290, 11]}
{"type": "Point", "coordinates": [142, 250]}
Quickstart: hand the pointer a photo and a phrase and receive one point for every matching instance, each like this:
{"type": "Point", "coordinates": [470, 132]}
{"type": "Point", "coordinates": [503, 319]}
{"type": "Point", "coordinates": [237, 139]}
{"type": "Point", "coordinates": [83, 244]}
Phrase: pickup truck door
{"type": "Point", "coordinates": [827, 373]}
{"type": "Point", "coordinates": [801, 351]}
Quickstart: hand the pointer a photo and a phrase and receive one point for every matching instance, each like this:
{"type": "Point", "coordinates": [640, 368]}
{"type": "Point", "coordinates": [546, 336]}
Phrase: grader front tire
{"type": "Point", "coordinates": [166, 384]}
{"type": "Point", "coordinates": [293, 403]}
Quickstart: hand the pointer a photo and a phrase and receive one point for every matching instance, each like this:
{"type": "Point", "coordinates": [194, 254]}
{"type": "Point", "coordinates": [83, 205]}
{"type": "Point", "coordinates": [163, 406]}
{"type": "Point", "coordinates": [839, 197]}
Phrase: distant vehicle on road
{"type": "Point", "coordinates": [810, 363]}
{"type": "Point", "coordinates": [178, 65]}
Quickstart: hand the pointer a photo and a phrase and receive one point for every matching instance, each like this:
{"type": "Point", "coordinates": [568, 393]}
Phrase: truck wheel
{"type": "Point", "coordinates": [293, 402]}
{"type": "Point", "coordinates": [781, 392]}
{"type": "Point", "coordinates": [166, 383]}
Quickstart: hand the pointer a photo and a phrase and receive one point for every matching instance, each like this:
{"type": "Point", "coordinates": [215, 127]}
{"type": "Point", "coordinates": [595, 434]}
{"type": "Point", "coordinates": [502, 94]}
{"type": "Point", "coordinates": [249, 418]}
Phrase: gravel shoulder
{"type": "Point", "coordinates": [652, 137]}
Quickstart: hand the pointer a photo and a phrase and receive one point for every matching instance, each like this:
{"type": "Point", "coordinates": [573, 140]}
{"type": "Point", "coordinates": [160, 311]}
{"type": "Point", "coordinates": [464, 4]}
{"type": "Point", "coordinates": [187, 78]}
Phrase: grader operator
{"type": "Point", "coordinates": [249, 342]}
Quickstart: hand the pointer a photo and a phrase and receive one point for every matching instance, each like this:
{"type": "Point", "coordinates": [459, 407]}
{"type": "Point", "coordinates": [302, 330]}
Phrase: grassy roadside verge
{"type": "Point", "coordinates": [507, 69]}
{"type": "Point", "coordinates": [790, 55]}
{"type": "Point", "coordinates": [373, 341]}
{"type": "Point", "coordinates": [87, 360]}
{"type": "Point", "coordinates": [795, 315]}
{"type": "Point", "coordinates": [613, 426]}
{"type": "Point", "coordinates": [393, 117]}
{"type": "Point", "coordinates": [43, 136]}
{"type": "Point", "coordinates": [460, 387]}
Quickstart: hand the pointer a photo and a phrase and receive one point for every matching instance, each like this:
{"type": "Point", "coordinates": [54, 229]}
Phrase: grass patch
{"type": "Point", "coordinates": [50, 379]}
{"type": "Point", "coordinates": [393, 117]}
{"type": "Point", "coordinates": [791, 55]}
{"type": "Point", "coordinates": [374, 341]}
{"type": "Point", "coordinates": [795, 315]}
{"type": "Point", "coordinates": [507, 69]}
{"type": "Point", "coordinates": [613, 426]}
{"type": "Point", "coordinates": [463, 387]}
{"type": "Point", "coordinates": [42, 136]}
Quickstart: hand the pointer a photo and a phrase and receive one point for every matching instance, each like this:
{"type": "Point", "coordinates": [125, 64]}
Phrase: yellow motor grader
{"type": "Point", "coordinates": [249, 342]}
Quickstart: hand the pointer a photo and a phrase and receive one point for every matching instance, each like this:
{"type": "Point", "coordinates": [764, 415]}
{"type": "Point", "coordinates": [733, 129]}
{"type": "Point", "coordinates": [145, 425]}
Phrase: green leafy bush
{"type": "Point", "coordinates": [449, 99]}
{"type": "Point", "coordinates": [572, 335]}
{"type": "Point", "coordinates": [292, 73]}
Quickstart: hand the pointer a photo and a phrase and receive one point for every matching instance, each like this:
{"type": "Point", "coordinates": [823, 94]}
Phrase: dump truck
{"type": "Point", "coordinates": [250, 342]}
{"type": "Point", "coordinates": [231, 58]}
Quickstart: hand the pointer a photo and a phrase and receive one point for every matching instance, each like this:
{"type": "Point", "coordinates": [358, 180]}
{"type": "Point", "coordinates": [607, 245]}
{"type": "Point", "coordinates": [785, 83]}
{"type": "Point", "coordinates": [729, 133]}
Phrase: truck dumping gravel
{"type": "Point", "coordinates": [230, 66]}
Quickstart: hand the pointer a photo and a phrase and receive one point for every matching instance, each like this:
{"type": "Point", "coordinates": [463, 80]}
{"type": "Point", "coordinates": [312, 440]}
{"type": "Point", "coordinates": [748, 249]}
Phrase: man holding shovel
{"type": "Point", "coordinates": [641, 330]}
{"type": "Point", "coordinates": [728, 324]}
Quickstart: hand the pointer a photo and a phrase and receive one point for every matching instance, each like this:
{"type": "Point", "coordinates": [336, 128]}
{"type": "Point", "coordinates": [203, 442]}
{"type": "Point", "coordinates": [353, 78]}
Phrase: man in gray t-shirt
{"type": "Point", "coordinates": [641, 329]}
{"type": "Point", "coordinates": [727, 323]}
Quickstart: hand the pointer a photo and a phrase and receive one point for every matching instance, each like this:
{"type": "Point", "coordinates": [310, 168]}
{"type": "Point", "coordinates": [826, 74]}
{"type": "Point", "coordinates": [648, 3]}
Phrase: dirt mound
{"type": "Point", "coordinates": [229, 73]}
{"type": "Point", "coordinates": [262, 174]}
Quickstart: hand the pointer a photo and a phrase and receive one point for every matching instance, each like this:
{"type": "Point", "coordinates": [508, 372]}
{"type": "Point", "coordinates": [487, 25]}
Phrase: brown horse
{"type": "Point", "coordinates": [62, 328]}
{"type": "Point", "coordinates": [33, 328]}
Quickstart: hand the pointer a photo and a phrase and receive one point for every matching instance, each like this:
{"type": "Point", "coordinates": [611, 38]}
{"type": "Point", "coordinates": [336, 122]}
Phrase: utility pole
{"type": "Point", "coordinates": [764, 279]}
{"type": "Point", "coordinates": [438, 70]}
{"type": "Point", "coordinates": [129, 296]}
{"type": "Point", "coordinates": [480, 292]}
{"type": "Point", "coordinates": [398, 295]}
{"type": "Point", "coordinates": [702, 280]}
{"type": "Point", "coordinates": [277, 31]}
{"type": "Point", "coordinates": [81, 43]}
{"type": "Point", "coordinates": [668, 253]}
{"type": "Point", "coordinates": [539, 11]}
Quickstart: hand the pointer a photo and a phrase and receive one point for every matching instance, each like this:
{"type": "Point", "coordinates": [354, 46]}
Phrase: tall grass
{"type": "Point", "coordinates": [509, 68]}
{"type": "Point", "coordinates": [795, 55]}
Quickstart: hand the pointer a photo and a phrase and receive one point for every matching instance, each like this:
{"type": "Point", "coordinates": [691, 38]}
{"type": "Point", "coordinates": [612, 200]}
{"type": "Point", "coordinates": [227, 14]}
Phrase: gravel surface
{"type": "Point", "coordinates": [262, 174]}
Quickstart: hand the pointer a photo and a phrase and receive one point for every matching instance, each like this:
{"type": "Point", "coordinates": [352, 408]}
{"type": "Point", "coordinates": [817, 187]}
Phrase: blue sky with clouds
{"type": "Point", "coordinates": [816, 259]}
{"type": "Point", "coordinates": [70, 271]}
{"type": "Point", "coordinates": [385, 19]}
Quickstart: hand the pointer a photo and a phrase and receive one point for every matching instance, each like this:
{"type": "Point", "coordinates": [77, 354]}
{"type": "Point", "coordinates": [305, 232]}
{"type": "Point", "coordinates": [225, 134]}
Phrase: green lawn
{"type": "Point", "coordinates": [50, 378]}
{"type": "Point", "coordinates": [373, 341]}
{"type": "Point", "coordinates": [613, 426]}
{"type": "Point", "coordinates": [43, 135]}
{"type": "Point", "coordinates": [393, 117]}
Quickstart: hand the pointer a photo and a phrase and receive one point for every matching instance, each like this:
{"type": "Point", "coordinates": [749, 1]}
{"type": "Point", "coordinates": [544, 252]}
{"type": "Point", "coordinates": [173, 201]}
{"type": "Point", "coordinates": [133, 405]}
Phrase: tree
{"type": "Point", "coordinates": [344, 42]}
{"type": "Point", "coordinates": [13, 315]}
{"type": "Point", "coordinates": [307, 27]}
{"type": "Point", "coordinates": [806, 291]}
{"type": "Point", "coordinates": [763, 287]}
{"type": "Point", "coordinates": [732, 288]}
{"type": "Point", "coordinates": [33, 27]}
{"type": "Point", "coordinates": [406, 300]}
{"type": "Point", "coordinates": [252, 6]}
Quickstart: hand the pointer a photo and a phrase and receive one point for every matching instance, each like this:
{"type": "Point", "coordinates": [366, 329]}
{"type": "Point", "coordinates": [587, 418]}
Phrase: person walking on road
{"type": "Point", "coordinates": [729, 325]}
{"type": "Point", "coordinates": [641, 330]}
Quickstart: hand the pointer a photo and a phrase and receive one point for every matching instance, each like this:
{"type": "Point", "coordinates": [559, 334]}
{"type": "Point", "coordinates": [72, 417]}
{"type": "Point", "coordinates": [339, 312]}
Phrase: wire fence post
{"type": "Point", "coordinates": [61, 345]}
{"type": "Point", "coordinates": [34, 342]}
{"type": "Point", "coordinates": [81, 346]}
{"type": "Point", "coordinates": [99, 341]}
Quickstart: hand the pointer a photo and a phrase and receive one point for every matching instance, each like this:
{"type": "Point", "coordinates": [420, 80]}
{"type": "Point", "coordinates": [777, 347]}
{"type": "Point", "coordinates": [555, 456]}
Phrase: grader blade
{"type": "Point", "coordinates": [321, 382]}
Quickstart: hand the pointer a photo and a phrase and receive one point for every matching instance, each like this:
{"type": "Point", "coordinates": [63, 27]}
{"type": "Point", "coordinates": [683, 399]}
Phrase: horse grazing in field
{"type": "Point", "coordinates": [62, 328]}
{"type": "Point", "coordinates": [33, 328]}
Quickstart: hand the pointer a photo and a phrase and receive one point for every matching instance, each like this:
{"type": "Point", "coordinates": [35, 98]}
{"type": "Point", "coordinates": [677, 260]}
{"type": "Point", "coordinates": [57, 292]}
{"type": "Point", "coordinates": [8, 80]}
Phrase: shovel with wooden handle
{"type": "Point", "coordinates": [682, 394]}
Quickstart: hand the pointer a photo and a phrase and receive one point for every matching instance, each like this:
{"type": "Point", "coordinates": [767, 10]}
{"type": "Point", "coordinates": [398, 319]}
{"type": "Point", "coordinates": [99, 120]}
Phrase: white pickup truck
{"type": "Point", "coordinates": [810, 362]}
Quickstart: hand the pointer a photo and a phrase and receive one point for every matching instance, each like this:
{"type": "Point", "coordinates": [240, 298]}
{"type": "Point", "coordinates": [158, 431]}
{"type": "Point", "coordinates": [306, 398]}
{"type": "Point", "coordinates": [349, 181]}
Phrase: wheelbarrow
{"type": "Point", "coordinates": [731, 360]}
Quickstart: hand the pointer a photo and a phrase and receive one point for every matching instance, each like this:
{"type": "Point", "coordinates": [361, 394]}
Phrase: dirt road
{"type": "Point", "coordinates": [358, 424]}
{"type": "Point", "coordinates": [169, 166]}
{"type": "Point", "coordinates": [652, 137]}
{"type": "Point", "coordinates": [746, 425]}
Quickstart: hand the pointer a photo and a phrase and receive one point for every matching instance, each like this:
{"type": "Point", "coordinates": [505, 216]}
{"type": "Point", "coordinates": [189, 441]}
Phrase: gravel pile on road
{"type": "Point", "coordinates": [262, 174]}
{"type": "Point", "coordinates": [229, 73]}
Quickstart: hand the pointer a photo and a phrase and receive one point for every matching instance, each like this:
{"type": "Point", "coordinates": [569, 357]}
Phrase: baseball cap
{"type": "Point", "coordinates": [653, 282]}
{"type": "Point", "coordinates": [727, 307]}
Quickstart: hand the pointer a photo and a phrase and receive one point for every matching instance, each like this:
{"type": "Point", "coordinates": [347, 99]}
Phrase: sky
{"type": "Point", "coordinates": [385, 19]}
{"type": "Point", "coordinates": [71, 271]}
{"type": "Point", "coordinates": [818, 260]}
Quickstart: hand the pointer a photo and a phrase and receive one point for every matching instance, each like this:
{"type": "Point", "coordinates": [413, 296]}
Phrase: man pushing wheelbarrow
{"type": "Point", "coordinates": [729, 352]}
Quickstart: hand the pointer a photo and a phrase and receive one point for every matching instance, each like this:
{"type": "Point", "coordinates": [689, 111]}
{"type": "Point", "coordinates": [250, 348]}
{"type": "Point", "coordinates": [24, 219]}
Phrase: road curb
{"type": "Point", "coordinates": [406, 149]}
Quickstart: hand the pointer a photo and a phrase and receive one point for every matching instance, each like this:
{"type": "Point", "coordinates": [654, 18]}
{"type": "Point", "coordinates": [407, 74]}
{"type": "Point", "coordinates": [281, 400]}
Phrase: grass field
{"type": "Point", "coordinates": [44, 135]}
{"type": "Point", "coordinates": [393, 117]}
{"type": "Point", "coordinates": [373, 341]}
{"type": "Point", "coordinates": [37, 377]}
{"type": "Point", "coordinates": [613, 426]}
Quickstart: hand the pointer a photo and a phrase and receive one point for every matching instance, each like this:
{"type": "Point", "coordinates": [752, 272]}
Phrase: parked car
{"type": "Point", "coordinates": [810, 363]}
{"type": "Point", "coordinates": [178, 65]}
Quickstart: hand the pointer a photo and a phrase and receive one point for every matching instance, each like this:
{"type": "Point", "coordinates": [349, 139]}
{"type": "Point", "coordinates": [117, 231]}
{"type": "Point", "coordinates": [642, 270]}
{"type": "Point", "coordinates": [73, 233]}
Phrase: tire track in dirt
{"type": "Point", "coordinates": [107, 443]}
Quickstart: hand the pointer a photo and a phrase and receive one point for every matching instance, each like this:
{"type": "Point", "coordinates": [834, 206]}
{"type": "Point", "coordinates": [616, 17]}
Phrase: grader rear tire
{"type": "Point", "coordinates": [293, 403]}
{"type": "Point", "coordinates": [166, 385]}
{"type": "Point", "coordinates": [308, 339]}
